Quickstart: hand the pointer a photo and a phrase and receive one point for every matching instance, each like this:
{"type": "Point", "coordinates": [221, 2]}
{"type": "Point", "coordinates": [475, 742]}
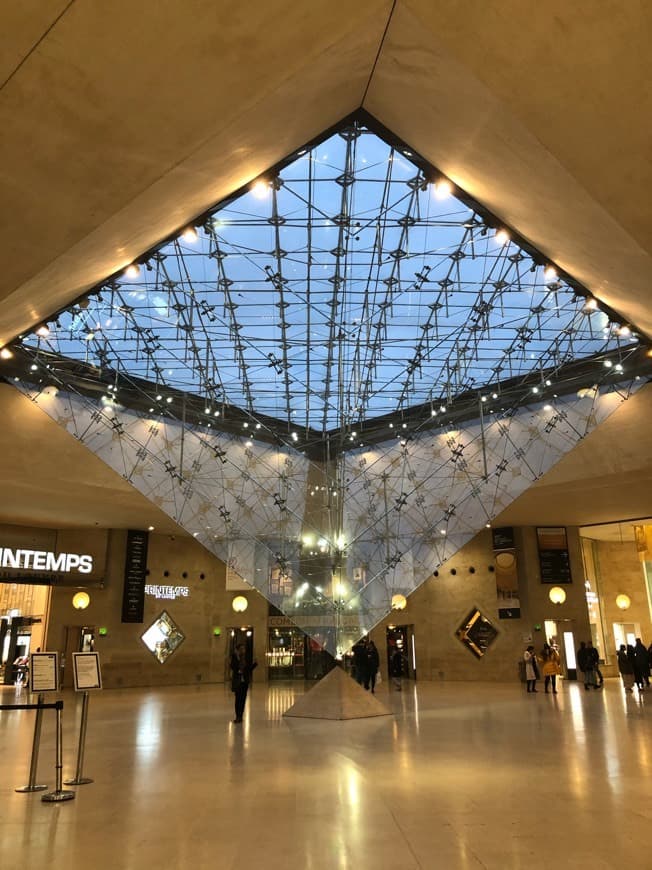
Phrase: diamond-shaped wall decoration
{"type": "Point", "coordinates": [163, 637]}
{"type": "Point", "coordinates": [336, 378]}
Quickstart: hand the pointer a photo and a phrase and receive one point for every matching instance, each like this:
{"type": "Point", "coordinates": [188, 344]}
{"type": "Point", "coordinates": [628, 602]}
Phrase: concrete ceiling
{"type": "Point", "coordinates": [607, 477]}
{"type": "Point", "coordinates": [50, 479]}
{"type": "Point", "coordinates": [122, 121]}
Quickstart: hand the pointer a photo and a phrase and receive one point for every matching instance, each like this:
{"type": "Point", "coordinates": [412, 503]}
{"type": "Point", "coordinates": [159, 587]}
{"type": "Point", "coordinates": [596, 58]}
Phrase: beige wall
{"type": "Point", "coordinates": [620, 571]}
{"type": "Point", "coordinates": [436, 611]}
{"type": "Point", "coordinates": [442, 603]}
{"type": "Point", "coordinates": [125, 659]}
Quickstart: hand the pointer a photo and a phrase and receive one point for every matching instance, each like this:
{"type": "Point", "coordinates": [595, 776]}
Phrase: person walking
{"type": "Point", "coordinates": [642, 663]}
{"type": "Point", "coordinates": [359, 650]}
{"type": "Point", "coordinates": [626, 669]}
{"type": "Point", "coordinates": [373, 662]}
{"type": "Point", "coordinates": [550, 668]}
{"type": "Point", "coordinates": [241, 670]}
{"type": "Point", "coordinates": [531, 669]}
{"type": "Point", "coordinates": [631, 655]}
{"type": "Point", "coordinates": [594, 658]}
{"type": "Point", "coordinates": [396, 668]}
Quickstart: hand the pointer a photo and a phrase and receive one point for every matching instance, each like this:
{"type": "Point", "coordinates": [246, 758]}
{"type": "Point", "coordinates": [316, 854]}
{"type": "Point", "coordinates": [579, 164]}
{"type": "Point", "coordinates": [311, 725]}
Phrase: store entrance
{"type": "Point", "coordinates": [286, 654]}
{"type": "Point", "coordinates": [23, 609]}
{"type": "Point", "coordinates": [15, 648]}
{"type": "Point", "coordinates": [293, 655]}
{"type": "Point", "coordinates": [401, 651]}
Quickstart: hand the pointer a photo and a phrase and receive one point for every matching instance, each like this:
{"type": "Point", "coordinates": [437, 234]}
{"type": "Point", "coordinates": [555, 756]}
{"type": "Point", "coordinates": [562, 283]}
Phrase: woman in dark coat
{"type": "Point", "coordinates": [241, 668]}
{"type": "Point", "coordinates": [631, 655]}
{"type": "Point", "coordinates": [626, 668]}
{"type": "Point", "coordinates": [642, 664]}
{"type": "Point", "coordinates": [373, 661]}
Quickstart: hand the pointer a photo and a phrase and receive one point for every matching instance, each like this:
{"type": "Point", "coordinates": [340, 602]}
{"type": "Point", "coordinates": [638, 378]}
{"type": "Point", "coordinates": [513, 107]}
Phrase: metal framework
{"type": "Point", "coordinates": [337, 377]}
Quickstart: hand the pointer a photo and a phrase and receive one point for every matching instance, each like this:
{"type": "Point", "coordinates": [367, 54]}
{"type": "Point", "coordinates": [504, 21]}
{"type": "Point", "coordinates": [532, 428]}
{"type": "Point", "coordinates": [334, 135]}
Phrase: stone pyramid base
{"type": "Point", "coordinates": [337, 696]}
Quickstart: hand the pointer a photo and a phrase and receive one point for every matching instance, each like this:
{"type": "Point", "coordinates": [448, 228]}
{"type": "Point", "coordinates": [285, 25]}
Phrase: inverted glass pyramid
{"type": "Point", "coordinates": [336, 378]}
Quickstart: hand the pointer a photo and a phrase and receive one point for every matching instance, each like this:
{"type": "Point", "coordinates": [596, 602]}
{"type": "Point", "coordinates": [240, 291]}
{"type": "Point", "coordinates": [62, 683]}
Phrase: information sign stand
{"type": "Point", "coordinates": [44, 677]}
{"type": "Point", "coordinates": [87, 677]}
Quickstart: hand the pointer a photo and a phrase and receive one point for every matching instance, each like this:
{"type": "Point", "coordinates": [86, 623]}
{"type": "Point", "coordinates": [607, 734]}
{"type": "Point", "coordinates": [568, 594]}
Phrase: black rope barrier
{"type": "Point", "coordinates": [57, 705]}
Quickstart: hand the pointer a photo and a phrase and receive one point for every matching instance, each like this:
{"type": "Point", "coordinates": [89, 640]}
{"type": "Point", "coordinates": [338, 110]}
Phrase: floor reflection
{"type": "Point", "coordinates": [461, 776]}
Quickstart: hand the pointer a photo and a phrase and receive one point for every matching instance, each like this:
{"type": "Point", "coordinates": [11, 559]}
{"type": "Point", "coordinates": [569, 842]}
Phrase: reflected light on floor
{"type": "Point", "coordinates": [148, 731]}
{"type": "Point", "coordinates": [279, 699]}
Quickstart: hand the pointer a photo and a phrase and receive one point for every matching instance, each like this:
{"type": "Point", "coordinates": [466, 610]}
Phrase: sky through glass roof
{"type": "Point", "coordinates": [346, 287]}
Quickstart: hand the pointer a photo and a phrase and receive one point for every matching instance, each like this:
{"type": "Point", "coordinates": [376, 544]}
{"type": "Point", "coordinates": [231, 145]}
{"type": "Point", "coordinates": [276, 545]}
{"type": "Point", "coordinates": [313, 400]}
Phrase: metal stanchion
{"type": "Point", "coordinates": [79, 779]}
{"type": "Point", "coordinates": [59, 794]}
{"type": "Point", "coordinates": [31, 786]}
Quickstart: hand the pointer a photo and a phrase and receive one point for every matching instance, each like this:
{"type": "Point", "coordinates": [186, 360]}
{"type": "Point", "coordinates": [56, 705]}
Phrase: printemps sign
{"type": "Point", "coordinates": [169, 592]}
{"type": "Point", "coordinates": [45, 560]}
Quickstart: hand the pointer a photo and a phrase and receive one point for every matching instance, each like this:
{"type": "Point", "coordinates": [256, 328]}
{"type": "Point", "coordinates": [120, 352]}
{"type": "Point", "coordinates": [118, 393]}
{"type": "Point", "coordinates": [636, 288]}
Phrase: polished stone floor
{"type": "Point", "coordinates": [462, 775]}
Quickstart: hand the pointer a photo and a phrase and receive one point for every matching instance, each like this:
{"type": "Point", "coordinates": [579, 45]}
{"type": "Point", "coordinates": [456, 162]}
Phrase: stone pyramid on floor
{"type": "Point", "coordinates": [337, 696]}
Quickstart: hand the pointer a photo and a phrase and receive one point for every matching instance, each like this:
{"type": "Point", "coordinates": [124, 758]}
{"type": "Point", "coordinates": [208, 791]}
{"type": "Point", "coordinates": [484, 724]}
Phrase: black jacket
{"type": "Point", "coordinates": [373, 659]}
{"type": "Point", "coordinates": [241, 675]}
{"type": "Point", "coordinates": [584, 659]}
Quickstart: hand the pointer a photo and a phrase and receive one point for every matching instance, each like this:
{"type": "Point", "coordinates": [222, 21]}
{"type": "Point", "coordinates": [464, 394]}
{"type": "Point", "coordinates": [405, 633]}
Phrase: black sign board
{"type": "Point", "coordinates": [133, 596]}
{"type": "Point", "coordinates": [554, 558]}
{"type": "Point", "coordinates": [503, 538]}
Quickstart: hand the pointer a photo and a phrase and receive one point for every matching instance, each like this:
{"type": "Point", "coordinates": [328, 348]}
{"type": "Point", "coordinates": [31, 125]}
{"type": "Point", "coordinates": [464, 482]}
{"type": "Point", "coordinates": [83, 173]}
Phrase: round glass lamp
{"type": "Point", "coordinates": [239, 604]}
{"type": "Point", "coordinates": [81, 600]}
{"type": "Point", "coordinates": [399, 602]}
{"type": "Point", "coordinates": [623, 602]}
{"type": "Point", "coordinates": [557, 595]}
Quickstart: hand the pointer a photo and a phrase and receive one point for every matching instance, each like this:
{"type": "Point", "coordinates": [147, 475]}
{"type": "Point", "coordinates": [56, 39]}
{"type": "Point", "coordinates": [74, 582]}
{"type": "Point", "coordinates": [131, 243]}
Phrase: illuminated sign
{"type": "Point", "coordinates": [169, 592]}
{"type": "Point", "coordinates": [45, 560]}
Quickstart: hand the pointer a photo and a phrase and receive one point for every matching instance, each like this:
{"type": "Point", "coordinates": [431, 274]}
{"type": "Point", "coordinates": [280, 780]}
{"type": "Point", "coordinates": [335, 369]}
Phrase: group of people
{"type": "Point", "coordinates": [550, 667]}
{"type": "Point", "coordinates": [634, 665]}
{"type": "Point", "coordinates": [588, 662]}
{"type": "Point", "coordinates": [366, 662]}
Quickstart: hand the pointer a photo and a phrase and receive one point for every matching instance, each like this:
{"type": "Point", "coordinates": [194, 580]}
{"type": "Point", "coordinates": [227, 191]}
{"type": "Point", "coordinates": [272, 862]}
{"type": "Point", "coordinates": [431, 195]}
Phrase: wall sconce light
{"type": "Point", "coordinates": [557, 595]}
{"type": "Point", "coordinates": [399, 602]}
{"type": "Point", "coordinates": [239, 604]}
{"type": "Point", "coordinates": [81, 600]}
{"type": "Point", "coordinates": [623, 602]}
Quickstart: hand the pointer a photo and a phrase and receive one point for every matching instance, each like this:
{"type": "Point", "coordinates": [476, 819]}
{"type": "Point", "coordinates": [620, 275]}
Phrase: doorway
{"type": "Point", "coordinates": [400, 643]}
{"type": "Point", "coordinates": [626, 633]}
{"type": "Point", "coordinates": [16, 644]}
{"type": "Point", "coordinates": [78, 638]}
{"type": "Point", "coordinates": [560, 635]}
{"type": "Point", "coordinates": [285, 654]}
